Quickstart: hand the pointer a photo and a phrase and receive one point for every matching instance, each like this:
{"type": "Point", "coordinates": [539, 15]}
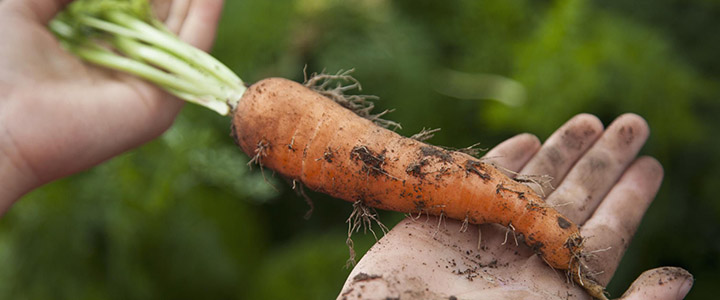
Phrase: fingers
{"type": "Point", "coordinates": [668, 283]}
{"type": "Point", "coordinates": [513, 153]}
{"type": "Point", "coordinates": [172, 12]}
{"type": "Point", "coordinates": [613, 224]}
{"type": "Point", "coordinates": [198, 28]}
{"type": "Point", "coordinates": [563, 148]}
{"type": "Point", "coordinates": [587, 183]}
{"type": "Point", "coordinates": [42, 11]}
{"type": "Point", "coordinates": [195, 21]}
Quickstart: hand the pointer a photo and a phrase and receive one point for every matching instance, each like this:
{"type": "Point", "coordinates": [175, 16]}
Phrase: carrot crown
{"type": "Point", "coordinates": [125, 35]}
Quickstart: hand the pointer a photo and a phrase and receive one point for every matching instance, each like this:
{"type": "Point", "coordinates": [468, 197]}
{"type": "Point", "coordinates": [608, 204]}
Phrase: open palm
{"type": "Point", "coordinates": [59, 115]}
{"type": "Point", "coordinates": [600, 185]}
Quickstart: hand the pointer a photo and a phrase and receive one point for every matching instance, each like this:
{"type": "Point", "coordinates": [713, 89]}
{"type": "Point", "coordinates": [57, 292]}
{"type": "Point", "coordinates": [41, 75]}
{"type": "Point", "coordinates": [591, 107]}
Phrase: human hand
{"type": "Point", "coordinates": [59, 115]}
{"type": "Point", "coordinates": [601, 185]}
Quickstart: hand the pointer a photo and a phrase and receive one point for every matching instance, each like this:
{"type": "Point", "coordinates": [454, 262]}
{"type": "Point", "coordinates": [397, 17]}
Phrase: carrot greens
{"type": "Point", "coordinates": [125, 35]}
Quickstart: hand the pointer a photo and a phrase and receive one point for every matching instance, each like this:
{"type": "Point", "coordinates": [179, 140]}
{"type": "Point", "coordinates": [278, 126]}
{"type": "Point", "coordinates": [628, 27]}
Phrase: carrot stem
{"type": "Point", "coordinates": [123, 35]}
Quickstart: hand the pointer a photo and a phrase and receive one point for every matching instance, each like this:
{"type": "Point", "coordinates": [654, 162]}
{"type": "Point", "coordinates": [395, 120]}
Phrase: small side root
{"type": "Point", "coordinates": [543, 182]}
{"type": "Point", "coordinates": [334, 86]}
{"type": "Point", "coordinates": [479, 245]}
{"type": "Point", "coordinates": [441, 218]}
{"type": "Point", "coordinates": [363, 217]}
{"type": "Point", "coordinates": [414, 218]}
{"type": "Point", "coordinates": [299, 189]}
{"type": "Point", "coordinates": [510, 229]}
{"type": "Point", "coordinates": [472, 150]}
{"type": "Point", "coordinates": [464, 225]}
{"type": "Point", "coordinates": [424, 134]}
{"type": "Point", "coordinates": [261, 151]}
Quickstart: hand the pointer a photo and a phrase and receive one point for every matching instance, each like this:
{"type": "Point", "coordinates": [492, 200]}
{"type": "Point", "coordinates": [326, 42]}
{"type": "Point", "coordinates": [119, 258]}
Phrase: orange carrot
{"type": "Point", "coordinates": [307, 137]}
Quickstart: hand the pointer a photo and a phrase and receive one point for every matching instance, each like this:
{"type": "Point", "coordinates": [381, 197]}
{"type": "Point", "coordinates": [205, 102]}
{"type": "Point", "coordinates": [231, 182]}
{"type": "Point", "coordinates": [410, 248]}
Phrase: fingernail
{"type": "Point", "coordinates": [685, 288]}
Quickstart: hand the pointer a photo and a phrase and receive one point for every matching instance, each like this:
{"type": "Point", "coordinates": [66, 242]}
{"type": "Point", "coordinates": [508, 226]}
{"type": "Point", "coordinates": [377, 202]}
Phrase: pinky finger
{"type": "Point", "coordinates": [667, 283]}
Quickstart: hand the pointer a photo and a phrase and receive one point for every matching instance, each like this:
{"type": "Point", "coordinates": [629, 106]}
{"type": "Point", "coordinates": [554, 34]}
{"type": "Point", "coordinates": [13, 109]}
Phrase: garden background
{"type": "Point", "coordinates": [184, 218]}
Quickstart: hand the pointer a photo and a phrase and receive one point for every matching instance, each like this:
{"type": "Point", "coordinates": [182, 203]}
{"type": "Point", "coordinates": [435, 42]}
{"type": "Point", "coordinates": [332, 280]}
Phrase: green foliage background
{"type": "Point", "coordinates": [183, 218]}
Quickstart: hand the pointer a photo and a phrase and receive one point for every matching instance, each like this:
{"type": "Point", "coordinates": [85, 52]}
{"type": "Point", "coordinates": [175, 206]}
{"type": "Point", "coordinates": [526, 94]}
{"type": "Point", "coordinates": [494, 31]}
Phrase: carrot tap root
{"type": "Point", "coordinates": [332, 150]}
{"type": "Point", "coordinates": [339, 153]}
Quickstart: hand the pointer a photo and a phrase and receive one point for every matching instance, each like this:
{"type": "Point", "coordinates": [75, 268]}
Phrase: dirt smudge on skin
{"type": "Point", "coordinates": [364, 277]}
{"type": "Point", "coordinates": [659, 276]}
{"type": "Point", "coordinates": [395, 285]}
{"type": "Point", "coordinates": [626, 135]}
{"type": "Point", "coordinates": [597, 164]}
{"type": "Point", "coordinates": [554, 156]}
{"type": "Point", "coordinates": [573, 140]}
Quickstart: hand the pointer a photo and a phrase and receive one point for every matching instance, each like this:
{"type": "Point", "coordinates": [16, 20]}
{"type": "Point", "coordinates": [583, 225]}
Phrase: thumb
{"type": "Point", "coordinates": [666, 283]}
{"type": "Point", "coordinates": [41, 11]}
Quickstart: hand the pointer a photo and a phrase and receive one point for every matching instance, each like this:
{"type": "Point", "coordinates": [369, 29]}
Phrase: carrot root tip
{"type": "Point", "coordinates": [581, 273]}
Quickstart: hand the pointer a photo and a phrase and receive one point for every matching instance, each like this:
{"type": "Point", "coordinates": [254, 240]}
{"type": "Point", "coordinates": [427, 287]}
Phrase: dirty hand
{"type": "Point", "coordinates": [59, 115]}
{"type": "Point", "coordinates": [599, 183]}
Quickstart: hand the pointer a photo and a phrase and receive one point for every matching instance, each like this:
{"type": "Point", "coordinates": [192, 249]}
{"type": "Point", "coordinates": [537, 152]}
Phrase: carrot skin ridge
{"type": "Point", "coordinates": [310, 138]}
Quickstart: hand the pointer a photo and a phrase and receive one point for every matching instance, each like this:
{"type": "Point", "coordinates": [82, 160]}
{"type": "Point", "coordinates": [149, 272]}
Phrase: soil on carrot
{"type": "Point", "coordinates": [443, 155]}
{"type": "Point", "coordinates": [478, 169]}
{"type": "Point", "coordinates": [329, 155]}
{"type": "Point", "coordinates": [563, 223]}
{"type": "Point", "coordinates": [415, 168]}
{"type": "Point", "coordinates": [372, 162]}
{"type": "Point", "coordinates": [425, 156]}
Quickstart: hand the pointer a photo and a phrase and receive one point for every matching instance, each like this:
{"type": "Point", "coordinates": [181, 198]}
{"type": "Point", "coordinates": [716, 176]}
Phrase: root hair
{"type": "Point", "coordinates": [261, 151]}
{"type": "Point", "coordinates": [424, 134]}
{"type": "Point", "coordinates": [335, 86]}
{"type": "Point", "coordinates": [362, 216]}
{"type": "Point", "coordinates": [299, 189]}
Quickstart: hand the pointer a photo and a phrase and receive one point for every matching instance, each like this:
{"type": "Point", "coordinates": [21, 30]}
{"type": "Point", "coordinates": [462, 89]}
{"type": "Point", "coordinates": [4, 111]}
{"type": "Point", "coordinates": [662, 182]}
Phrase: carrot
{"type": "Point", "coordinates": [310, 138]}
{"type": "Point", "coordinates": [307, 137]}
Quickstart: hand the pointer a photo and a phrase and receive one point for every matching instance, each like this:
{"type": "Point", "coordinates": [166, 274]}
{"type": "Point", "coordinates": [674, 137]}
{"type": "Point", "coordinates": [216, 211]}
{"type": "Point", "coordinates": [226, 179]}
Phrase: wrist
{"type": "Point", "coordinates": [14, 181]}
{"type": "Point", "coordinates": [16, 176]}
